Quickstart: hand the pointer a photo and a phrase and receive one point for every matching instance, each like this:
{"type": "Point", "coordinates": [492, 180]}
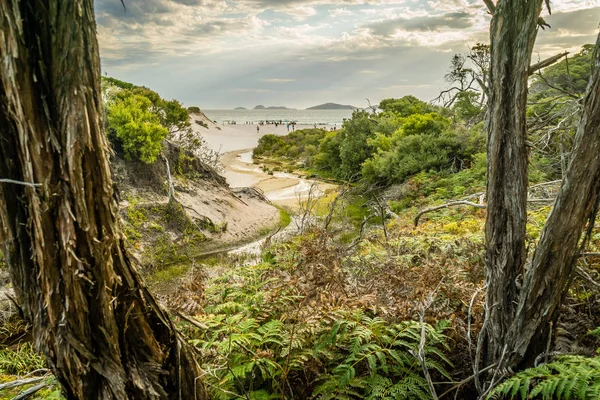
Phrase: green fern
{"type": "Point", "coordinates": [568, 377]}
{"type": "Point", "coordinates": [377, 358]}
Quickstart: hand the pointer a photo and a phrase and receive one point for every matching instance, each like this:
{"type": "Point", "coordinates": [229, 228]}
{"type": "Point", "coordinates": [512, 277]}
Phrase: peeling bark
{"type": "Point", "coordinates": [513, 31]}
{"type": "Point", "coordinates": [519, 317]}
{"type": "Point", "coordinates": [102, 333]}
{"type": "Point", "coordinates": [547, 279]}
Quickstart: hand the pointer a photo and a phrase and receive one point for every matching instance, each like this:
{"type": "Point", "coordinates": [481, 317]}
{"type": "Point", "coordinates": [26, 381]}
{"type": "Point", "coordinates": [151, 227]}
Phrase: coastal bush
{"type": "Point", "coordinates": [354, 147]}
{"type": "Point", "coordinates": [137, 130]}
{"type": "Point", "coordinates": [405, 106]}
{"type": "Point", "coordinates": [411, 155]}
{"type": "Point", "coordinates": [300, 145]}
{"type": "Point", "coordinates": [138, 120]}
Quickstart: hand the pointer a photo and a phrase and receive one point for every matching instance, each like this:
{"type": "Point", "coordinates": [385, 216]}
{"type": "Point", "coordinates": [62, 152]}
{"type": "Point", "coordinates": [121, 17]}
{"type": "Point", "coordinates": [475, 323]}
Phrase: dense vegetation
{"type": "Point", "coordinates": [138, 120]}
{"type": "Point", "coordinates": [436, 150]}
{"type": "Point", "coordinates": [405, 137]}
{"type": "Point", "coordinates": [324, 316]}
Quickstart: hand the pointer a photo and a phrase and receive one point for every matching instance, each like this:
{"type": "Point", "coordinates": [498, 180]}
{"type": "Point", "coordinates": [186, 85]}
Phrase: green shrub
{"type": "Point", "coordinates": [137, 129]}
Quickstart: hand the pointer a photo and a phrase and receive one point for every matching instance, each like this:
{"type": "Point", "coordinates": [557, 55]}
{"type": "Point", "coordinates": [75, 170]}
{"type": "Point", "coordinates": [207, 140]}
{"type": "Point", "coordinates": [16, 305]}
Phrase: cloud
{"type": "Point", "coordinates": [338, 12]}
{"type": "Point", "coordinates": [279, 80]}
{"type": "Point", "coordinates": [448, 21]}
{"type": "Point", "coordinates": [220, 53]}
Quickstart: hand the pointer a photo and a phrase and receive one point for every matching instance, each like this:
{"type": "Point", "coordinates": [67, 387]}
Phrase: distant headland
{"type": "Point", "coordinates": [240, 108]}
{"type": "Point", "coordinates": [332, 106]}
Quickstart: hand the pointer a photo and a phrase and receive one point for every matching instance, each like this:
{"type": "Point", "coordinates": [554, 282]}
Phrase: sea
{"type": "Point", "coordinates": [327, 118]}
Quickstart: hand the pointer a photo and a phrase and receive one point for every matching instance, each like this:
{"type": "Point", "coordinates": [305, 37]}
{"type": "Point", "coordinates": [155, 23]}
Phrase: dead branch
{"type": "Point", "coordinates": [586, 277]}
{"type": "Point", "coordinates": [332, 206]}
{"type": "Point", "coordinates": [450, 204]}
{"type": "Point", "coordinates": [33, 185]}
{"type": "Point", "coordinates": [490, 6]}
{"type": "Point", "coordinates": [189, 319]}
{"type": "Point", "coordinates": [470, 203]}
{"type": "Point", "coordinates": [361, 233]}
{"type": "Point", "coordinates": [457, 385]}
{"type": "Point", "coordinates": [21, 382]}
{"type": "Point", "coordinates": [559, 89]}
{"type": "Point", "coordinates": [547, 62]}
{"type": "Point", "coordinates": [545, 184]}
{"type": "Point", "coordinates": [421, 354]}
{"type": "Point", "coordinates": [26, 393]}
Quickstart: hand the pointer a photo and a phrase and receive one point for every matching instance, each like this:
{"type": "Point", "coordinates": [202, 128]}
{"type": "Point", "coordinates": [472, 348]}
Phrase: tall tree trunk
{"type": "Point", "coordinates": [519, 316]}
{"type": "Point", "coordinates": [547, 279]}
{"type": "Point", "coordinates": [102, 333]}
{"type": "Point", "coordinates": [513, 31]}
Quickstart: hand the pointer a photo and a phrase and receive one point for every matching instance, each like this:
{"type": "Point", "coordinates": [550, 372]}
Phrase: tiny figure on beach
{"type": "Point", "coordinates": [288, 127]}
{"type": "Point", "coordinates": [257, 129]}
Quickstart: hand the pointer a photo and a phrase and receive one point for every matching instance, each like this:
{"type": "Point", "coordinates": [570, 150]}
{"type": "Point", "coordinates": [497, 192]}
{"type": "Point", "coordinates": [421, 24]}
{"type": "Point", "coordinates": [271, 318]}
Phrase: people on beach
{"type": "Point", "coordinates": [257, 129]}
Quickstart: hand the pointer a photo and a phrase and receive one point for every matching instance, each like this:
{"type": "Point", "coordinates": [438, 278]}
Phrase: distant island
{"type": "Point", "coordinates": [240, 108]}
{"type": "Point", "coordinates": [261, 107]}
{"type": "Point", "coordinates": [332, 106]}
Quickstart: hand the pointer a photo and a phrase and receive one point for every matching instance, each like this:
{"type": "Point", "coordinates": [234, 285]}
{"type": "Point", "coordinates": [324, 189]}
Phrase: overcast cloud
{"type": "Point", "coordinates": [298, 53]}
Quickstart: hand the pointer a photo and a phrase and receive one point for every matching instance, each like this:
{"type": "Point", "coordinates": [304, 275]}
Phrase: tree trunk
{"type": "Point", "coordinates": [547, 279]}
{"type": "Point", "coordinates": [519, 317]}
{"type": "Point", "coordinates": [513, 32]}
{"type": "Point", "coordinates": [102, 333]}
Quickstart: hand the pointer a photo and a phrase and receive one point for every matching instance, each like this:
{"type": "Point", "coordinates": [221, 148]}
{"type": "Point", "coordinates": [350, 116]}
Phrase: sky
{"type": "Point", "coordinates": [221, 54]}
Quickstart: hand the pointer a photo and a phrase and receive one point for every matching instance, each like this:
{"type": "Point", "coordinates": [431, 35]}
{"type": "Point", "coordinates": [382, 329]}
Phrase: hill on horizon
{"type": "Point", "coordinates": [333, 106]}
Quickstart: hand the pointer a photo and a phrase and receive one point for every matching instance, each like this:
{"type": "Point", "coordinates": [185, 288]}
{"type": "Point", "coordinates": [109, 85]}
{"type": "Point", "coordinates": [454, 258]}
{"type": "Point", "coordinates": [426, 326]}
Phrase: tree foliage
{"type": "Point", "coordinates": [138, 119]}
{"type": "Point", "coordinates": [137, 129]}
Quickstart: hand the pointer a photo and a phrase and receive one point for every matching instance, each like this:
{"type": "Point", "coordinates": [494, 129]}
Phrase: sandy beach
{"type": "Point", "coordinates": [236, 142]}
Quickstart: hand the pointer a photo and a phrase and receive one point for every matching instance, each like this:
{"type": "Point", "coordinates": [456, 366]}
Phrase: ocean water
{"type": "Point", "coordinates": [300, 117]}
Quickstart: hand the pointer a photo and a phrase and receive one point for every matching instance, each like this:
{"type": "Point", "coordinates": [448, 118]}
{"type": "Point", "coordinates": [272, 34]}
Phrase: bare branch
{"type": "Point", "coordinates": [189, 319]}
{"type": "Point", "coordinates": [25, 394]}
{"type": "Point", "coordinates": [20, 183]}
{"type": "Point", "coordinates": [450, 204]}
{"type": "Point", "coordinates": [490, 5]}
{"type": "Point", "coordinates": [586, 277]}
{"type": "Point", "coordinates": [21, 382]}
{"type": "Point", "coordinates": [548, 7]}
{"type": "Point", "coordinates": [547, 62]}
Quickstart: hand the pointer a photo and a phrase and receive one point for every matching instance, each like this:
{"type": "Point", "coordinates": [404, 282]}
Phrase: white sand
{"type": "Point", "coordinates": [237, 142]}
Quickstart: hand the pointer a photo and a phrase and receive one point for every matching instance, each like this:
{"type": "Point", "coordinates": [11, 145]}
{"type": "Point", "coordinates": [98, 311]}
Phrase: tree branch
{"type": "Point", "coordinates": [450, 204]}
{"type": "Point", "coordinates": [468, 203]}
{"type": "Point", "coordinates": [490, 5]}
{"type": "Point", "coordinates": [20, 183]}
{"type": "Point", "coordinates": [547, 62]}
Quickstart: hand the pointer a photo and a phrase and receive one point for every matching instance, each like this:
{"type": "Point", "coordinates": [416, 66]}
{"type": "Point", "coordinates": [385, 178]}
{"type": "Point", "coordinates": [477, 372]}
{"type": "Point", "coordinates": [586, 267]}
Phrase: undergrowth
{"type": "Point", "coordinates": [568, 377]}
{"type": "Point", "coordinates": [312, 321]}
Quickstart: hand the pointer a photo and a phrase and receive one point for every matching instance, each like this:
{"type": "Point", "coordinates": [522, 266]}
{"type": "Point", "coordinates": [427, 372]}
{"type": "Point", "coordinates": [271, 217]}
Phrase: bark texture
{"type": "Point", "coordinates": [523, 300]}
{"type": "Point", "coordinates": [547, 279]}
{"type": "Point", "coordinates": [513, 31]}
{"type": "Point", "coordinates": [101, 331]}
